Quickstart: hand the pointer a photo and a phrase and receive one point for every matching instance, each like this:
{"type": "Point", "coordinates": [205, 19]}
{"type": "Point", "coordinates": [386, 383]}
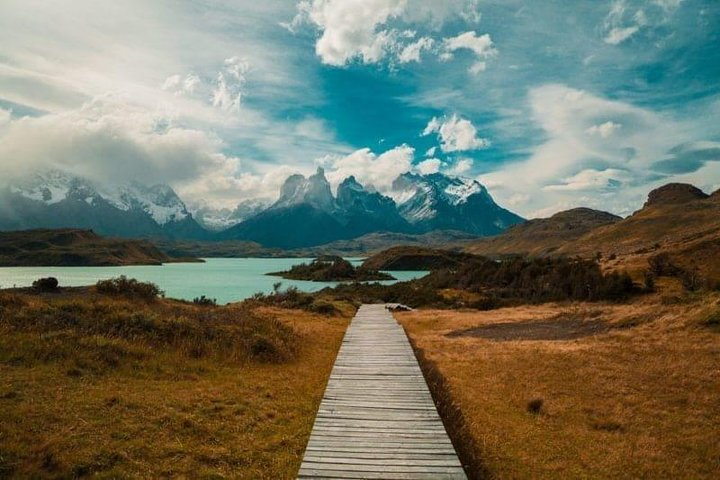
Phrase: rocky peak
{"type": "Point", "coordinates": [674, 193]}
{"type": "Point", "coordinates": [351, 195]}
{"type": "Point", "coordinates": [314, 190]}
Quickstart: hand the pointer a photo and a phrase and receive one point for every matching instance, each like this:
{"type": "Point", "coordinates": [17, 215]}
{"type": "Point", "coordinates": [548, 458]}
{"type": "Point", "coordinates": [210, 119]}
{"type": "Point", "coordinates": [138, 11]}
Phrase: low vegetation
{"type": "Point", "coordinates": [292, 298]}
{"type": "Point", "coordinates": [332, 269]}
{"type": "Point", "coordinates": [116, 382]}
{"type": "Point", "coordinates": [129, 288]}
{"type": "Point", "coordinates": [485, 284]}
{"type": "Point", "coordinates": [417, 258]}
{"type": "Point", "coordinates": [636, 399]}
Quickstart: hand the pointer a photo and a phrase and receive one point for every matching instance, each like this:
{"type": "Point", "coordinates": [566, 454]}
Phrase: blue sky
{"type": "Point", "coordinates": [550, 104]}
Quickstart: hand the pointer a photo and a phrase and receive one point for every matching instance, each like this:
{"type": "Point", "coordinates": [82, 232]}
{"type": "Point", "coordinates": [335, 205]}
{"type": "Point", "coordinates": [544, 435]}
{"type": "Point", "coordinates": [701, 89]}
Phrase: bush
{"type": "Point", "coordinates": [47, 284]}
{"type": "Point", "coordinates": [535, 406]}
{"type": "Point", "coordinates": [129, 287]}
{"type": "Point", "coordinates": [204, 301]}
{"type": "Point", "coordinates": [535, 280]}
{"type": "Point", "coordinates": [323, 308]}
{"type": "Point", "coordinates": [649, 281]}
{"type": "Point", "coordinates": [712, 320]}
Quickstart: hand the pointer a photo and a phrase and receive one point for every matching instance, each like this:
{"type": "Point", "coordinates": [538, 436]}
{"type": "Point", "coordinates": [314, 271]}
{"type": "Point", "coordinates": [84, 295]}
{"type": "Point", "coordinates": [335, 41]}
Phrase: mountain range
{"type": "Point", "coordinates": [305, 214]}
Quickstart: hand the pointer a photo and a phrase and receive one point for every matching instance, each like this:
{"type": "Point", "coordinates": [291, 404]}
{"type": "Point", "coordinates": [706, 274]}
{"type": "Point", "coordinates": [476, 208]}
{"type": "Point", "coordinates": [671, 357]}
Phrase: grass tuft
{"type": "Point", "coordinates": [535, 406]}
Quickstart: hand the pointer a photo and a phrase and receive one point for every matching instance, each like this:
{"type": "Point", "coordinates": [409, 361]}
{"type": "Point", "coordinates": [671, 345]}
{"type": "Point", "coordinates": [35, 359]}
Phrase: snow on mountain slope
{"type": "Point", "coordinates": [160, 202]}
{"type": "Point", "coordinates": [221, 219]}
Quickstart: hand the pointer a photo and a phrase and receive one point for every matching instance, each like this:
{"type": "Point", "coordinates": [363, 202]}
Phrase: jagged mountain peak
{"type": "Point", "coordinates": [55, 196]}
{"type": "Point", "coordinates": [313, 190]}
{"type": "Point", "coordinates": [439, 201]}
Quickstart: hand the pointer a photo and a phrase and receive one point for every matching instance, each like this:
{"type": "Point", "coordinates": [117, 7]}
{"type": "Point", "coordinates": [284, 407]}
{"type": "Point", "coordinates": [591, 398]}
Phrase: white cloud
{"type": "Point", "coordinates": [604, 130]}
{"type": "Point", "coordinates": [431, 165]}
{"type": "Point", "coordinates": [575, 156]}
{"type": "Point", "coordinates": [461, 167]}
{"type": "Point", "coordinates": [617, 35]}
{"type": "Point", "coordinates": [431, 152]}
{"type": "Point", "coordinates": [627, 18]}
{"type": "Point", "coordinates": [109, 140]}
{"type": "Point", "coordinates": [370, 168]}
{"type": "Point", "coordinates": [455, 134]}
{"type": "Point", "coordinates": [591, 179]}
{"type": "Point", "coordinates": [369, 30]}
{"type": "Point", "coordinates": [482, 46]}
{"type": "Point", "coordinates": [350, 28]}
{"type": "Point", "coordinates": [5, 116]}
{"type": "Point", "coordinates": [411, 53]}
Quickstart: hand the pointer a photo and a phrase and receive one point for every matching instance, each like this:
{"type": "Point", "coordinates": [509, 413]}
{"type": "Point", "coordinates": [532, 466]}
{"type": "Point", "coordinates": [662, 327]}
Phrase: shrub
{"type": "Point", "coordinates": [649, 281]}
{"type": "Point", "coordinates": [662, 266]}
{"type": "Point", "coordinates": [204, 301]}
{"type": "Point", "coordinates": [535, 280]}
{"type": "Point", "coordinates": [47, 284]}
{"type": "Point", "coordinates": [323, 307]}
{"type": "Point", "coordinates": [535, 406]}
{"type": "Point", "coordinates": [712, 320]}
{"type": "Point", "coordinates": [129, 287]}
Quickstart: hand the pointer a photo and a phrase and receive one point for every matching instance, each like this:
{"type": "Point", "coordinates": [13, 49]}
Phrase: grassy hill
{"type": "Point", "coordinates": [543, 236]}
{"type": "Point", "coordinates": [678, 220]}
{"type": "Point", "coordinates": [74, 247]}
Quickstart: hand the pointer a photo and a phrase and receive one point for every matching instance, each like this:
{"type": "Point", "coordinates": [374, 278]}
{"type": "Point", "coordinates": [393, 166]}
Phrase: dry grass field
{"type": "Point", "coordinates": [92, 386]}
{"type": "Point", "coordinates": [579, 390]}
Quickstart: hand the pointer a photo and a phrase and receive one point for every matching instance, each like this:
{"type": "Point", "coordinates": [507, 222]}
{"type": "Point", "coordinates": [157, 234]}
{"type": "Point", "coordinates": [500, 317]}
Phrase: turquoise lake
{"type": "Point", "coordinates": [225, 279]}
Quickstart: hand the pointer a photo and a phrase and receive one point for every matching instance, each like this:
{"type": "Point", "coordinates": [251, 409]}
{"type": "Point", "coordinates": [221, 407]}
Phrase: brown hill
{"type": "Point", "coordinates": [74, 247]}
{"type": "Point", "coordinates": [674, 194]}
{"type": "Point", "coordinates": [677, 219]}
{"type": "Point", "coordinates": [543, 236]}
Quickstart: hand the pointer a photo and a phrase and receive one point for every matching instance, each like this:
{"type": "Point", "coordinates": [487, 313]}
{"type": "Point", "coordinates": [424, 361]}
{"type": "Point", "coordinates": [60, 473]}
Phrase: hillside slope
{"type": "Point", "coordinates": [72, 247]}
{"type": "Point", "coordinates": [543, 236]}
{"type": "Point", "coordinates": [677, 219]}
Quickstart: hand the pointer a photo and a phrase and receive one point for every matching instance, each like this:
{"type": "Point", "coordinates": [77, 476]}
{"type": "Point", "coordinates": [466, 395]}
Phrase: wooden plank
{"type": "Point", "coordinates": [377, 418]}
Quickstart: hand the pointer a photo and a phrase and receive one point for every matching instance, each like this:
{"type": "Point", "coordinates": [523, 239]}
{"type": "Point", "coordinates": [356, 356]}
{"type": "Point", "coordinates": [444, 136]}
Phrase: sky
{"type": "Point", "coordinates": [550, 104]}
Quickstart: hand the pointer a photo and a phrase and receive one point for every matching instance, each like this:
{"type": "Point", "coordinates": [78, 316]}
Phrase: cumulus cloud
{"type": "Point", "coordinates": [461, 167]}
{"type": "Point", "coordinates": [431, 165]}
{"type": "Point", "coordinates": [350, 28]}
{"type": "Point", "coordinates": [482, 47]}
{"type": "Point", "coordinates": [455, 134]}
{"type": "Point", "coordinates": [108, 140]}
{"type": "Point", "coordinates": [411, 53]}
{"type": "Point", "coordinates": [369, 168]}
{"type": "Point", "coordinates": [374, 30]}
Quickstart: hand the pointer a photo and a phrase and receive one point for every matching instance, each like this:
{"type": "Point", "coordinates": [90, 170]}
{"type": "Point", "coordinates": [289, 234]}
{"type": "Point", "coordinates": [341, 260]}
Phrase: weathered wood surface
{"type": "Point", "coordinates": [377, 418]}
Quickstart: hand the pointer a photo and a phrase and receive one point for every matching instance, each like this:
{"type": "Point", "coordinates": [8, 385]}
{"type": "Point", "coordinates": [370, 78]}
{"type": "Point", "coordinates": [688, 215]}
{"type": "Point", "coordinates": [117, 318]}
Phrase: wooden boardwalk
{"type": "Point", "coordinates": [377, 418]}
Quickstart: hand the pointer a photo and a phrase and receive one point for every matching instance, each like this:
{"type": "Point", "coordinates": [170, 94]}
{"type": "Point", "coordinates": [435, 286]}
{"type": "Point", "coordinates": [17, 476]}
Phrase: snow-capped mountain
{"type": "Point", "coordinates": [57, 199]}
{"type": "Point", "coordinates": [440, 202]}
{"type": "Point", "coordinates": [306, 212]}
{"type": "Point", "coordinates": [221, 219]}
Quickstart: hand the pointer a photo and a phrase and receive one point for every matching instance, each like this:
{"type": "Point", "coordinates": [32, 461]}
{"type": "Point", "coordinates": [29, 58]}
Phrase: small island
{"type": "Point", "coordinates": [330, 268]}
